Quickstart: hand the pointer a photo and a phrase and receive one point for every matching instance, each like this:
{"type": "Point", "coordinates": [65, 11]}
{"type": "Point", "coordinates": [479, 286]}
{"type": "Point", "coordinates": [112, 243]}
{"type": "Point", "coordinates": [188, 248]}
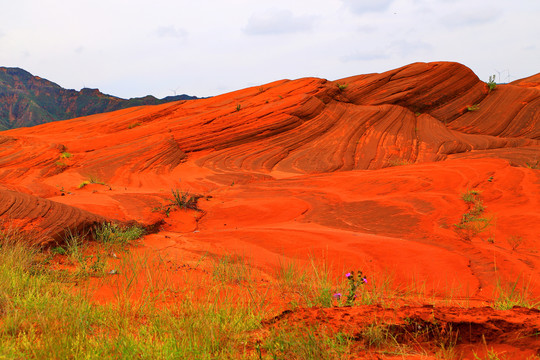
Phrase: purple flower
{"type": "Point", "coordinates": [348, 275]}
{"type": "Point", "coordinates": [337, 295]}
{"type": "Point", "coordinates": [364, 280]}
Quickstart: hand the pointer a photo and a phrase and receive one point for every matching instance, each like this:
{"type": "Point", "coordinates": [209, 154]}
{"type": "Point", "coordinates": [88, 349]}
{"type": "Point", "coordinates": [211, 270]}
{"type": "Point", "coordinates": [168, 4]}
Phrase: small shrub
{"type": "Point", "coordinates": [91, 180]}
{"type": "Point", "coordinates": [65, 155]}
{"type": "Point", "coordinates": [514, 242]}
{"type": "Point", "coordinates": [238, 107]}
{"type": "Point", "coordinates": [533, 164]}
{"type": "Point", "coordinates": [398, 162]}
{"type": "Point", "coordinates": [134, 125]}
{"type": "Point", "coordinates": [60, 164]}
{"type": "Point", "coordinates": [473, 107]}
{"type": "Point", "coordinates": [470, 196]}
{"type": "Point", "coordinates": [111, 233]}
{"type": "Point", "coordinates": [472, 222]}
{"type": "Point", "coordinates": [342, 87]}
{"type": "Point", "coordinates": [185, 200]}
{"type": "Point", "coordinates": [59, 250]}
{"type": "Point", "coordinates": [491, 83]}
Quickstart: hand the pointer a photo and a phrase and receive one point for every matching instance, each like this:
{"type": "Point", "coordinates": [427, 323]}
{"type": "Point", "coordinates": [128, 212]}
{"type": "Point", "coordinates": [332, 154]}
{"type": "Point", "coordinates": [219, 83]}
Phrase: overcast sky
{"type": "Point", "coordinates": [131, 48]}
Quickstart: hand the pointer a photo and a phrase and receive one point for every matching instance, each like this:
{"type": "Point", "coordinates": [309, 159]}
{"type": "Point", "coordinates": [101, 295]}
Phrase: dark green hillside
{"type": "Point", "coordinates": [27, 100]}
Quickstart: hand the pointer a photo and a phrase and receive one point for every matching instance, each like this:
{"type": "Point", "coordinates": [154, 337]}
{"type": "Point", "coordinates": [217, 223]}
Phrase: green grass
{"type": "Point", "coordinates": [514, 293]}
{"type": "Point", "coordinates": [533, 164]}
{"type": "Point", "coordinates": [86, 264]}
{"type": "Point", "coordinates": [115, 234]}
{"type": "Point", "coordinates": [184, 200]}
{"type": "Point", "coordinates": [398, 162]}
{"type": "Point", "coordinates": [232, 269]}
{"type": "Point", "coordinates": [301, 342]}
{"type": "Point", "coordinates": [44, 318]}
{"type": "Point", "coordinates": [306, 285]}
{"type": "Point", "coordinates": [48, 314]}
{"type": "Point", "coordinates": [65, 155]}
{"type": "Point", "coordinates": [91, 180]}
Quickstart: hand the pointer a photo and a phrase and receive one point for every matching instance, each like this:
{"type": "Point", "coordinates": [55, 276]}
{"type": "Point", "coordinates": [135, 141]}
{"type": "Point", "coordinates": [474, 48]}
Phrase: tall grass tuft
{"type": "Point", "coordinates": [184, 200]}
{"type": "Point", "coordinates": [111, 233]}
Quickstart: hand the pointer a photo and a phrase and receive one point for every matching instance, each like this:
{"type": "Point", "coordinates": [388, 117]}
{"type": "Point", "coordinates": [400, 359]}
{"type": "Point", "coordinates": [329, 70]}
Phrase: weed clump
{"type": "Point", "coordinates": [180, 200]}
{"type": "Point", "coordinates": [185, 200]}
{"type": "Point", "coordinates": [91, 180]}
{"type": "Point", "coordinates": [111, 233]}
{"type": "Point", "coordinates": [491, 83]}
{"type": "Point", "coordinates": [473, 221]}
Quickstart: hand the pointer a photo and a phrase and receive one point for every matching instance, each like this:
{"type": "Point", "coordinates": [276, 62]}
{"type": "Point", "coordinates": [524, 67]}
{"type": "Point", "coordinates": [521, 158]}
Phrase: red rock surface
{"type": "Point", "coordinates": [44, 220]}
{"type": "Point", "coordinates": [370, 173]}
{"type": "Point", "coordinates": [287, 155]}
{"type": "Point", "coordinates": [512, 334]}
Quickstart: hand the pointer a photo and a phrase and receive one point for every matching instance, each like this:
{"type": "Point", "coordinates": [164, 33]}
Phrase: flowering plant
{"type": "Point", "coordinates": [354, 280]}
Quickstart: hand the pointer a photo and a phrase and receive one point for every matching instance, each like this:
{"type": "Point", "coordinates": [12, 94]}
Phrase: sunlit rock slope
{"type": "Point", "coordinates": [370, 169]}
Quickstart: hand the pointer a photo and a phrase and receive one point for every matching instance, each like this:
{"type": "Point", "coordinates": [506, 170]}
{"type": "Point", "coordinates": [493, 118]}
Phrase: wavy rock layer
{"type": "Point", "coordinates": [46, 221]}
{"type": "Point", "coordinates": [370, 169]}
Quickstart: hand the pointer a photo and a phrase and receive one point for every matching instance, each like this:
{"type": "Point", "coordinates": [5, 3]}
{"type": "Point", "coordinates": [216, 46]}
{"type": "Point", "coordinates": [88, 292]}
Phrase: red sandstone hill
{"type": "Point", "coordinates": [369, 169]}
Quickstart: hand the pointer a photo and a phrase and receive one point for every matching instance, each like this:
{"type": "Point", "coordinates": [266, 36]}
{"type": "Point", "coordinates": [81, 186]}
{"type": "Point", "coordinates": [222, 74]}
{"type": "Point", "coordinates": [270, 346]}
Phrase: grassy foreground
{"type": "Point", "coordinates": [49, 312]}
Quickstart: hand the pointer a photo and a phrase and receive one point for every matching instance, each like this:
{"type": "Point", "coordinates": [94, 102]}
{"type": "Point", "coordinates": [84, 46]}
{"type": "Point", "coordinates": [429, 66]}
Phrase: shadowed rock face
{"type": "Point", "coordinates": [371, 168]}
{"type": "Point", "coordinates": [45, 221]}
{"type": "Point", "coordinates": [27, 100]}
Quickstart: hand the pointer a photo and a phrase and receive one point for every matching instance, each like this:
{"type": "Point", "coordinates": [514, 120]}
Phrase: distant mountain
{"type": "Point", "coordinates": [27, 100]}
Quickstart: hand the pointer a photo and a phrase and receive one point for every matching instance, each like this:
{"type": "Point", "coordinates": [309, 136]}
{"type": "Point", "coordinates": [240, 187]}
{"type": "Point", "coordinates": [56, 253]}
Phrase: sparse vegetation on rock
{"type": "Point", "coordinates": [491, 83]}
{"type": "Point", "coordinates": [473, 221]}
{"type": "Point", "coordinates": [91, 180]}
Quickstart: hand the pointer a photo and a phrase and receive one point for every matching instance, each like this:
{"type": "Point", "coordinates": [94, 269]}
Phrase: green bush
{"type": "Point", "coordinates": [491, 83]}
{"type": "Point", "coordinates": [111, 233]}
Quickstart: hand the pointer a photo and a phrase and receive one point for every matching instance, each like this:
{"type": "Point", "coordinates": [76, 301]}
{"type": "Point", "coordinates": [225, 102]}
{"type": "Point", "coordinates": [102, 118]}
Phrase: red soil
{"type": "Point", "coordinates": [300, 168]}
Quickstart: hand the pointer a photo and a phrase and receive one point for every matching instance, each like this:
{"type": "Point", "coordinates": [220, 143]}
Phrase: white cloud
{"type": "Point", "coordinates": [171, 32]}
{"type": "Point", "coordinates": [407, 48]}
{"type": "Point", "coordinates": [364, 6]}
{"type": "Point", "coordinates": [273, 22]}
{"type": "Point", "coordinates": [226, 45]}
{"type": "Point", "coordinates": [366, 55]}
{"type": "Point", "coordinates": [469, 17]}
